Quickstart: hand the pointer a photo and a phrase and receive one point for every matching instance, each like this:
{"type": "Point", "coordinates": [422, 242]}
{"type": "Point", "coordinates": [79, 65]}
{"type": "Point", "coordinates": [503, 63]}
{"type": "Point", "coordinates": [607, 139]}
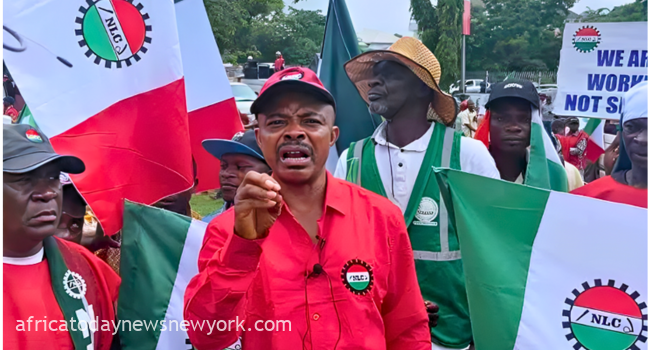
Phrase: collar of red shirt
{"type": "Point", "coordinates": [335, 196]}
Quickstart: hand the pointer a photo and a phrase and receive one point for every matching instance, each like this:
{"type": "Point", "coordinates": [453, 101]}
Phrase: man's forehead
{"type": "Point", "coordinates": [637, 121]}
{"type": "Point", "coordinates": [387, 66]}
{"type": "Point", "coordinates": [48, 168]}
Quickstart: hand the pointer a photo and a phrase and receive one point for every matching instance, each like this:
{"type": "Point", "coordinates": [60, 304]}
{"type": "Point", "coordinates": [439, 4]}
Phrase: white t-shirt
{"type": "Point", "coordinates": [406, 162]}
{"type": "Point", "coordinates": [28, 260]}
{"type": "Point", "coordinates": [468, 118]}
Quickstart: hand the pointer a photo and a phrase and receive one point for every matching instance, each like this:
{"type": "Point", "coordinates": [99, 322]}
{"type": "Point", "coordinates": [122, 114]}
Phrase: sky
{"type": "Point", "coordinates": [393, 16]}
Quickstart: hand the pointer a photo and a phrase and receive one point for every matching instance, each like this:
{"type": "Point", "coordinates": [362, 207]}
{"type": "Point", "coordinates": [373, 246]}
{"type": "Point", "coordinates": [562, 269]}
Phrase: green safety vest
{"type": "Point", "coordinates": [432, 233]}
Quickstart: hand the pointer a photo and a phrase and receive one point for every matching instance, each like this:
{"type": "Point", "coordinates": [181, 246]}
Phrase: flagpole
{"type": "Point", "coordinates": [462, 72]}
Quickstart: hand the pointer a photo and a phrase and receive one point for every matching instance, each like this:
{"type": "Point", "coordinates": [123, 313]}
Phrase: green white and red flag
{"type": "Point", "coordinates": [596, 143]}
{"type": "Point", "coordinates": [104, 80]}
{"type": "Point", "coordinates": [211, 106]}
{"type": "Point", "coordinates": [548, 270]}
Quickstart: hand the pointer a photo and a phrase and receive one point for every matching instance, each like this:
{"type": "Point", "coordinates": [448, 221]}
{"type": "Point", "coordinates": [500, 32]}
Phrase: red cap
{"type": "Point", "coordinates": [292, 79]}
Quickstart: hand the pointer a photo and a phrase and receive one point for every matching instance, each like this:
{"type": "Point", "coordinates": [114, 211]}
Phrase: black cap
{"type": "Point", "coordinates": [523, 89]}
{"type": "Point", "coordinates": [241, 143]}
{"type": "Point", "coordinates": [25, 149]}
{"type": "Point", "coordinates": [572, 120]}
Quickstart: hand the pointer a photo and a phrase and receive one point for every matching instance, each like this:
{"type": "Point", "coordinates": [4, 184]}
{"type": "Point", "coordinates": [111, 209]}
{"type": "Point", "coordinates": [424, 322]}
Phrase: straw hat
{"type": "Point", "coordinates": [417, 57]}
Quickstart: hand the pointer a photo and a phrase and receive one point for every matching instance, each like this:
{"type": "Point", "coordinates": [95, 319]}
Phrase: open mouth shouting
{"type": "Point", "coordinates": [295, 155]}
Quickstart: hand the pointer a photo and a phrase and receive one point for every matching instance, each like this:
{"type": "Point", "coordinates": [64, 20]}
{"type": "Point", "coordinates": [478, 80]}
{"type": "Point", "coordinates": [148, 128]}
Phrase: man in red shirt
{"type": "Point", "coordinates": [9, 109]}
{"type": "Point", "coordinates": [628, 183]}
{"type": "Point", "coordinates": [574, 145]}
{"type": "Point", "coordinates": [279, 62]}
{"type": "Point", "coordinates": [56, 294]}
{"type": "Point", "coordinates": [331, 258]}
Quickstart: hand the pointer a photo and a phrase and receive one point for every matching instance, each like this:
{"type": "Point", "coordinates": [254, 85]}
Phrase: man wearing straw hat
{"type": "Point", "coordinates": [401, 84]}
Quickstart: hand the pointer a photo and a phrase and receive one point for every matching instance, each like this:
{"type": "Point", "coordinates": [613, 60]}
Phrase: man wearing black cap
{"type": "Point", "coordinates": [237, 157]}
{"type": "Point", "coordinates": [513, 132]}
{"type": "Point", "coordinates": [47, 279]}
{"type": "Point", "coordinates": [327, 262]}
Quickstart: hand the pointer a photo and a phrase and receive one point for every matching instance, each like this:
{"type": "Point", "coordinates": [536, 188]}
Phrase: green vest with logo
{"type": "Point", "coordinates": [432, 233]}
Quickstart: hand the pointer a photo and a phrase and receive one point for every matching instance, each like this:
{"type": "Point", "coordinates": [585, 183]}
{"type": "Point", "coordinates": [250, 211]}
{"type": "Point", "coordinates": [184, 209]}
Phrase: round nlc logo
{"type": "Point", "coordinates": [586, 39]}
{"type": "Point", "coordinates": [113, 31]}
{"type": "Point", "coordinates": [357, 276]}
{"type": "Point", "coordinates": [605, 317]}
{"type": "Point", "coordinates": [32, 135]}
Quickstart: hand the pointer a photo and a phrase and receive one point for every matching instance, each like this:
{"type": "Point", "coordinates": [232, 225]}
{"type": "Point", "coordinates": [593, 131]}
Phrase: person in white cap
{"type": "Point", "coordinates": [628, 182]}
{"type": "Point", "coordinates": [279, 61]}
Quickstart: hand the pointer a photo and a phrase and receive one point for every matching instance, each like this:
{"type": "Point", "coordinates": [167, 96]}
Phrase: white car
{"type": "Point", "coordinates": [471, 85]}
{"type": "Point", "coordinates": [244, 97]}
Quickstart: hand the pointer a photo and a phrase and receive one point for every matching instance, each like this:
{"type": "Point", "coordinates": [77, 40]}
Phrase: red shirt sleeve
{"type": "Point", "coordinates": [227, 266]}
{"type": "Point", "coordinates": [405, 318]}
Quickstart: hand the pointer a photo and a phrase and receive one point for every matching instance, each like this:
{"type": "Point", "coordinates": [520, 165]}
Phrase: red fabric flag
{"type": "Point", "coordinates": [467, 16]}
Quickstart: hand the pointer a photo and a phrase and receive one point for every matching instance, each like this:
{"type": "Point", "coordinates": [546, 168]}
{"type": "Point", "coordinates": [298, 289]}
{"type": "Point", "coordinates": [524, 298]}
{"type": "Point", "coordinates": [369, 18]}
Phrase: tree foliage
{"type": "Point", "coordinates": [439, 28]}
{"type": "Point", "coordinates": [448, 49]}
{"type": "Point", "coordinates": [632, 12]}
{"type": "Point", "coordinates": [426, 16]}
{"type": "Point", "coordinates": [259, 28]}
{"type": "Point", "coordinates": [516, 35]}
{"type": "Point", "coordinates": [231, 20]}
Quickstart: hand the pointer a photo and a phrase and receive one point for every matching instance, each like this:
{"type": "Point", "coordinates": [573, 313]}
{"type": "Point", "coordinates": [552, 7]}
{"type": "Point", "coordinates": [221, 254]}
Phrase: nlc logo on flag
{"type": "Point", "coordinates": [605, 317]}
{"type": "Point", "coordinates": [113, 31]}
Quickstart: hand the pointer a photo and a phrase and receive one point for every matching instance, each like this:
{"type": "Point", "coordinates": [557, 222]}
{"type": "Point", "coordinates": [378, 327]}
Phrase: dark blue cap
{"type": "Point", "coordinates": [241, 143]}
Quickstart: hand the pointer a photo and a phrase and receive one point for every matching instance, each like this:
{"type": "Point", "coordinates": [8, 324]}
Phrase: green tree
{"type": "Point", "coordinates": [231, 22]}
{"type": "Point", "coordinates": [259, 28]}
{"type": "Point", "coordinates": [515, 35]}
{"type": "Point", "coordinates": [636, 11]}
{"type": "Point", "coordinates": [426, 16]}
{"type": "Point", "coordinates": [448, 49]}
{"type": "Point", "coordinates": [439, 28]}
{"type": "Point", "coordinates": [298, 34]}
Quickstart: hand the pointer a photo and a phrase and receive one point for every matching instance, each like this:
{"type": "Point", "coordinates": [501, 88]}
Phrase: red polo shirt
{"type": "Point", "coordinates": [366, 297]}
{"type": "Point", "coordinates": [27, 291]}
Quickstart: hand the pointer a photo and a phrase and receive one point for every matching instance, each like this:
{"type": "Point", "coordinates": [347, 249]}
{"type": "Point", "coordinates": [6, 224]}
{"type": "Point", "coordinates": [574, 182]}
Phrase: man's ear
{"type": "Point", "coordinates": [334, 135]}
{"type": "Point", "coordinates": [257, 137]}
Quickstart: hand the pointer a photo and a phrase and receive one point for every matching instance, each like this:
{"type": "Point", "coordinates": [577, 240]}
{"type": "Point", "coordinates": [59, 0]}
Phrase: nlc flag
{"type": "Point", "coordinates": [160, 253]}
{"type": "Point", "coordinates": [212, 110]}
{"type": "Point", "coordinates": [549, 270]}
{"type": "Point", "coordinates": [104, 80]}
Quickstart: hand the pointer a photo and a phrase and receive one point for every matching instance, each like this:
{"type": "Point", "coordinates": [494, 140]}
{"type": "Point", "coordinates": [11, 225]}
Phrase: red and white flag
{"type": "Point", "coordinates": [212, 110]}
{"type": "Point", "coordinates": [120, 107]}
{"type": "Point", "coordinates": [467, 17]}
